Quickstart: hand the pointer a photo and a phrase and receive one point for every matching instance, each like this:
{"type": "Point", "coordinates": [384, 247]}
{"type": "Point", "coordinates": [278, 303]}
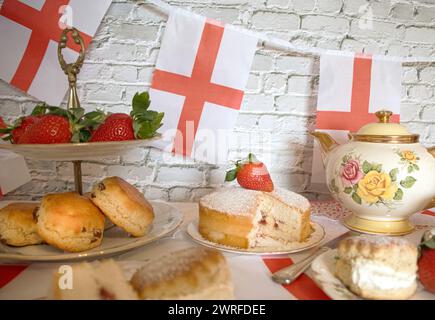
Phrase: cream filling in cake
{"type": "Point", "coordinates": [375, 275]}
{"type": "Point", "coordinates": [277, 218]}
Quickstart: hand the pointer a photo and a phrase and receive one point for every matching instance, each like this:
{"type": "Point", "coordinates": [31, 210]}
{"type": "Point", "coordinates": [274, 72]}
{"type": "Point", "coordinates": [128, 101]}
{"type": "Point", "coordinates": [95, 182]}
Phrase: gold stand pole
{"type": "Point", "coordinates": [71, 70]}
{"type": "Point", "coordinates": [78, 176]}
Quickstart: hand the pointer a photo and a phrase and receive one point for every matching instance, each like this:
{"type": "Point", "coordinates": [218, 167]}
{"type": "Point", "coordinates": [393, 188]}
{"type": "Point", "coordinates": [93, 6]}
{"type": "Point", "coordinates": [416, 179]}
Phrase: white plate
{"type": "Point", "coordinates": [324, 275]}
{"type": "Point", "coordinates": [115, 241]}
{"type": "Point", "coordinates": [76, 151]}
{"type": "Point", "coordinates": [315, 238]}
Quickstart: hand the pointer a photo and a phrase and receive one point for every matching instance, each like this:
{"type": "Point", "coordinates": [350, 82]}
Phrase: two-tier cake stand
{"type": "Point", "coordinates": [74, 152]}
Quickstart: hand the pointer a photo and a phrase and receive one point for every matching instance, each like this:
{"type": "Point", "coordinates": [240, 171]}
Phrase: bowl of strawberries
{"type": "Point", "coordinates": [54, 133]}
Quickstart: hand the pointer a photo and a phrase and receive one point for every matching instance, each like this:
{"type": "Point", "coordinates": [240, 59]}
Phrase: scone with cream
{"type": "Point", "coordinates": [189, 274]}
{"type": "Point", "coordinates": [17, 226]}
{"type": "Point", "coordinates": [378, 267]}
{"type": "Point", "coordinates": [124, 205]}
{"type": "Point", "coordinates": [93, 281]}
{"type": "Point", "coordinates": [245, 218]}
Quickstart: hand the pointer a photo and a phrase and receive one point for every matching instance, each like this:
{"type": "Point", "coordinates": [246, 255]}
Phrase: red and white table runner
{"type": "Point", "coordinates": [199, 81]}
{"type": "Point", "coordinates": [29, 34]}
{"type": "Point", "coordinates": [352, 88]}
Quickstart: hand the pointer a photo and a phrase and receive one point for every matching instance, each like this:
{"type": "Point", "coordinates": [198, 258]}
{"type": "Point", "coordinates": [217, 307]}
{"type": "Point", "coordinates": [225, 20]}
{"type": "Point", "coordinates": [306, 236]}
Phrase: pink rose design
{"type": "Point", "coordinates": [351, 173]}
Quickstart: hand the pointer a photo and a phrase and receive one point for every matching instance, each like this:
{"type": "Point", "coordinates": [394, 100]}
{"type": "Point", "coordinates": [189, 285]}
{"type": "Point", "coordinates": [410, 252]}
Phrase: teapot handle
{"type": "Point", "coordinates": [432, 203]}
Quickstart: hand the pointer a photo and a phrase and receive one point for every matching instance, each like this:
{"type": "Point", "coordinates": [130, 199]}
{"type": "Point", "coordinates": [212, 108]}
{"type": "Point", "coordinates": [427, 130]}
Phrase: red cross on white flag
{"type": "Point", "coordinates": [352, 88]}
{"type": "Point", "coordinates": [29, 34]}
{"type": "Point", "coordinates": [200, 75]}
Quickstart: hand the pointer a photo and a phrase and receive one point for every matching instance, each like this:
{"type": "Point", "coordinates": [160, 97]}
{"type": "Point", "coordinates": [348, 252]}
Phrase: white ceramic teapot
{"type": "Point", "coordinates": [383, 175]}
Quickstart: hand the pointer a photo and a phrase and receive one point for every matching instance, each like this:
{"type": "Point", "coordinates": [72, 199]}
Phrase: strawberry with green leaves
{"type": "Point", "coordinates": [251, 174]}
{"type": "Point", "coordinates": [140, 124]}
{"type": "Point", "coordinates": [426, 262]}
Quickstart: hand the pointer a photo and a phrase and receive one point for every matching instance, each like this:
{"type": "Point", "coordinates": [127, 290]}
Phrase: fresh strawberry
{"type": "Point", "coordinates": [26, 124]}
{"type": "Point", "coordinates": [117, 127]}
{"type": "Point", "coordinates": [17, 130]}
{"type": "Point", "coordinates": [2, 124]}
{"type": "Point", "coordinates": [426, 262]}
{"type": "Point", "coordinates": [251, 174]}
{"type": "Point", "coordinates": [49, 129]}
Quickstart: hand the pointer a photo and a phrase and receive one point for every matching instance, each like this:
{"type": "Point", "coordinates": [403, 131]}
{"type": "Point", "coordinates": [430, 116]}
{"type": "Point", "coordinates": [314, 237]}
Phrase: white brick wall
{"type": "Point", "coordinates": [279, 106]}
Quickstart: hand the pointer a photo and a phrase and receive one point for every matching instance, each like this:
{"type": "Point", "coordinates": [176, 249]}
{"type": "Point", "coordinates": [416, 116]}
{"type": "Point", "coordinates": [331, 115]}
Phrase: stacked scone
{"type": "Point", "coordinates": [377, 267]}
{"type": "Point", "coordinates": [193, 273]}
{"type": "Point", "coordinates": [71, 222]}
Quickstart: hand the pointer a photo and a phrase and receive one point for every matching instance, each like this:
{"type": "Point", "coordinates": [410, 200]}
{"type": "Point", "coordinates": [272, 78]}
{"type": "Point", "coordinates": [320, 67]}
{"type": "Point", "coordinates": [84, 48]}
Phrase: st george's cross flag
{"type": "Point", "coordinates": [29, 35]}
{"type": "Point", "coordinates": [352, 88]}
{"type": "Point", "coordinates": [199, 81]}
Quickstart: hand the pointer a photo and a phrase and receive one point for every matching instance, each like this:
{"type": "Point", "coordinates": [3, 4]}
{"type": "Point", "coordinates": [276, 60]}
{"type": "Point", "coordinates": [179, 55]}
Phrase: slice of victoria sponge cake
{"type": "Point", "coordinates": [245, 218]}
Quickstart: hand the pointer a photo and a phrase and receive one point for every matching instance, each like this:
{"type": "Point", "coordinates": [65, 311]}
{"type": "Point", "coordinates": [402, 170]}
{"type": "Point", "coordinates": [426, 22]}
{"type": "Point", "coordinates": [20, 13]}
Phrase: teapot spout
{"type": "Point", "coordinates": [326, 142]}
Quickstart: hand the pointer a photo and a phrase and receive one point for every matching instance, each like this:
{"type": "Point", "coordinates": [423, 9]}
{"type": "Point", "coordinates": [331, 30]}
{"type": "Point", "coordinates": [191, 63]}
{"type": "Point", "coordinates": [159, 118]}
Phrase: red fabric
{"type": "Point", "coordinates": [303, 288]}
{"type": "Point", "coordinates": [198, 88]}
{"type": "Point", "coordinates": [359, 114]}
{"type": "Point", "coordinates": [431, 213]}
{"type": "Point", "coordinates": [44, 24]}
{"type": "Point", "coordinates": [8, 273]}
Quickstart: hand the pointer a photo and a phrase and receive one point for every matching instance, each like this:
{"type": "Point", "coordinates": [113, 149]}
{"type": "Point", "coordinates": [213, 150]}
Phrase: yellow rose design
{"type": "Point", "coordinates": [376, 186]}
{"type": "Point", "coordinates": [409, 156]}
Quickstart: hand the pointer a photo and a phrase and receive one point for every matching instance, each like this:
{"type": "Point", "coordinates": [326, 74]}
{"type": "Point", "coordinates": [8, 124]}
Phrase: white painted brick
{"type": "Point", "coordinates": [257, 102]}
{"type": "Point", "coordinates": [428, 75]}
{"type": "Point", "coordinates": [402, 11]}
{"type": "Point", "coordinates": [156, 193]}
{"type": "Point", "coordinates": [173, 175]}
{"type": "Point", "coordinates": [262, 62]}
{"type": "Point", "coordinates": [217, 176]}
{"type": "Point", "coordinates": [416, 34]}
{"type": "Point", "coordinates": [428, 114]}
{"type": "Point", "coordinates": [147, 13]}
{"type": "Point", "coordinates": [329, 5]}
{"type": "Point", "coordinates": [278, 3]}
{"type": "Point", "coordinates": [275, 20]}
{"type": "Point", "coordinates": [296, 103]}
{"type": "Point", "coordinates": [145, 74]}
{"type": "Point", "coordinates": [253, 84]}
{"type": "Point", "coordinates": [103, 92]}
{"type": "Point", "coordinates": [299, 85]}
{"type": "Point", "coordinates": [135, 32]}
{"type": "Point", "coordinates": [124, 73]}
{"type": "Point", "coordinates": [179, 194]}
{"type": "Point", "coordinates": [425, 14]}
{"type": "Point", "coordinates": [378, 29]}
{"type": "Point", "coordinates": [354, 7]}
{"type": "Point", "coordinates": [295, 65]}
{"type": "Point", "coordinates": [198, 193]}
{"type": "Point", "coordinates": [225, 15]}
{"type": "Point", "coordinates": [409, 75]}
{"type": "Point", "coordinates": [275, 83]}
{"type": "Point", "coordinates": [420, 92]}
{"type": "Point", "coordinates": [113, 51]}
{"type": "Point", "coordinates": [325, 23]}
{"type": "Point", "coordinates": [131, 173]}
{"type": "Point", "coordinates": [135, 156]}
{"type": "Point", "coordinates": [302, 6]}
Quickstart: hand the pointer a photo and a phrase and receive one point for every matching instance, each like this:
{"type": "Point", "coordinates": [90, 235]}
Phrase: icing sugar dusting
{"type": "Point", "coordinates": [380, 240]}
{"type": "Point", "coordinates": [168, 266]}
{"type": "Point", "coordinates": [239, 201]}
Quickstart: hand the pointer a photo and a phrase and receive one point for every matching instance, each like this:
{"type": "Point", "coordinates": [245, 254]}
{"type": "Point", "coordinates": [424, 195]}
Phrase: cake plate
{"type": "Point", "coordinates": [75, 152]}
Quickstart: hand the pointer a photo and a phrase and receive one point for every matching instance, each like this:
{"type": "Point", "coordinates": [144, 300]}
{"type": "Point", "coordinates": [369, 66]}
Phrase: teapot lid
{"type": "Point", "coordinates": [385, 131]}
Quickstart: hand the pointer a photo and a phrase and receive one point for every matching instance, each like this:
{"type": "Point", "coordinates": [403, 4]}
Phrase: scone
{"type": "Point", "coordinates": [193, 273]}
{"type": "Point", "coordinates": [124, 205]}
{"type": "Point", "coordinates": [70, 222]}
{"type": "Point", "coordinates": [377, 267]}
{"type": "Point", "coordinates": [245, 218]}
{"type": "Point", "coordinates": [97, 281]}
{"type": "Point", "coordinates": [17, 227]}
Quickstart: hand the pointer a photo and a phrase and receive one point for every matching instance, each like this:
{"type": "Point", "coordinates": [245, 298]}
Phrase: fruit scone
{"type": "Point", "coordinates": [245, 218]}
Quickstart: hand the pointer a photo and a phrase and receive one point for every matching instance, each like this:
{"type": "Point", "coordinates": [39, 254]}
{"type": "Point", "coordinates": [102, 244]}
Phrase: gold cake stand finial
{"type": "Point", "coordinates": [71, 70]}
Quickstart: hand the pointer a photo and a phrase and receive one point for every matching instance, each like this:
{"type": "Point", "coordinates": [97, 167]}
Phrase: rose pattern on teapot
{"type": "Point", "coordinates": [366, 182]}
